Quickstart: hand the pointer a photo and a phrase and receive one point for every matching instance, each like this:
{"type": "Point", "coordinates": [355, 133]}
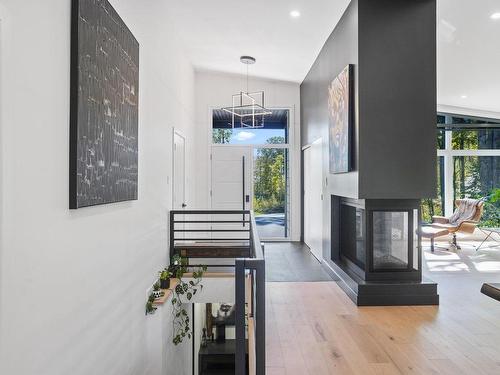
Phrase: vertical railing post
{"type": "Point", "coordinates": [172, 238]}
{"type": "Point", "coordinates": [240, 356]}
{"type": "Point", "coordinates": [260, 317]}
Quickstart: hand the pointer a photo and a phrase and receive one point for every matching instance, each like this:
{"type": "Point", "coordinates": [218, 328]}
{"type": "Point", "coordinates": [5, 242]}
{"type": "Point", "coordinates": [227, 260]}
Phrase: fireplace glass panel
{"type": "Point", "coordinates": [352, 234]}
{"type": "Point", "coordinates": [390, 240]}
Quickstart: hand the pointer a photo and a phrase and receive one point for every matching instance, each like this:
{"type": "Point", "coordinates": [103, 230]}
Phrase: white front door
{"type": "Point", "coordinates": [231, 178]}
{"type": "Point", "coordinates": [313, 197]}
{"type": "Point", "coordinates": [179, 172]}
{"type": "Point", "coordinates": [231, 185]}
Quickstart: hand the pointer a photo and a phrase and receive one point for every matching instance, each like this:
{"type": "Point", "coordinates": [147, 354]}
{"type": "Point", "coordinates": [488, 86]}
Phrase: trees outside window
{"type": "Point", "coordinates": [478, 177]}
{"type": "Point", "coordinates": [468, 167]}
{"type": "Point", "coordinates": [222, 136]}
{"type": "Point", "coordinates": [270, 179]}
{"type": "Point", "coordinates": [431, 207]}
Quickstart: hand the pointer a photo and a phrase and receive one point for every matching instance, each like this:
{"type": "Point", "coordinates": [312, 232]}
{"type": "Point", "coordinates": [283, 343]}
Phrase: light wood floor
{"type": "Point", "coordinates": [313, 328]}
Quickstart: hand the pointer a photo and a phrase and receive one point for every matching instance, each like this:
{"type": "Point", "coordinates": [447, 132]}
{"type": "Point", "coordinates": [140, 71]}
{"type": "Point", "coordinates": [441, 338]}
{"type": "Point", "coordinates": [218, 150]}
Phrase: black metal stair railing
{"type": "Point", "coordinates": [216, 234]}
{"type": "Point", "coordinates": [255, 299]}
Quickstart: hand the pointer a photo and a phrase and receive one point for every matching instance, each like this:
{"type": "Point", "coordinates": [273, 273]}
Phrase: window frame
{"type": "Point", "coordinates": [448, 154]}
{"type": "Point", "coordinates": [292, 145]}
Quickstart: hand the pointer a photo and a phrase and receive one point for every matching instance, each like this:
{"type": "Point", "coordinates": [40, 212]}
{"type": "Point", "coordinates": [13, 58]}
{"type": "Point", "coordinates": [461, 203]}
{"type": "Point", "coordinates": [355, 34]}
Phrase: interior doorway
{"type": "Point", "coordinates": [313, 198]}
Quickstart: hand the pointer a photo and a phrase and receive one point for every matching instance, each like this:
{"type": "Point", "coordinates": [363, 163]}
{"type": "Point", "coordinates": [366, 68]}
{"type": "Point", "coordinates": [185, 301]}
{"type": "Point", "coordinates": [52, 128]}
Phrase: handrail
{"type": "Point", "coordinates": [205, 212]}
{"type": "Point", "coordinates": [254, 238]}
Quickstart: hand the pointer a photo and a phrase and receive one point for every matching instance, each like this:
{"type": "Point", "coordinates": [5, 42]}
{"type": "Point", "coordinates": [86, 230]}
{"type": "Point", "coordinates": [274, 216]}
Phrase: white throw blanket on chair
{"type": "Point", "coordinates": [465, 211]}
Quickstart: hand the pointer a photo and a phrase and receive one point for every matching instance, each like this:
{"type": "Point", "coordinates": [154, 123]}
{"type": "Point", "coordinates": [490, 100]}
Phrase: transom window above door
{"type": "Point", "coordinates": [273, 131]}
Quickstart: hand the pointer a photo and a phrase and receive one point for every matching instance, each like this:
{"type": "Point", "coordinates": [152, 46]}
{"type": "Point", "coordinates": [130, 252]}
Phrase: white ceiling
{"type": "Point", "coordinates": [469, 54]}
{"type": "Point", "coordinates": [216, 32]}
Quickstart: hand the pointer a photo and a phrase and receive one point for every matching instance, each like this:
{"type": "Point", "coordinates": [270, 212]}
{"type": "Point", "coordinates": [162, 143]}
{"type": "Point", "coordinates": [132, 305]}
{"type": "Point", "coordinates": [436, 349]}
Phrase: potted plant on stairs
{"type": "Point", "coordinates": [165, 276]}
{"type": "Point", "coordinates": [157, 290]}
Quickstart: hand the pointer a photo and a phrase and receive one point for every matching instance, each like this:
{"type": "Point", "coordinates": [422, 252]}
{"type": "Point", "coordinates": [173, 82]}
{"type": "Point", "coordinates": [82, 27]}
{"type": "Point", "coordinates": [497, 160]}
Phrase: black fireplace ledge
{"type": "Point", "coordinates": [383, 293]}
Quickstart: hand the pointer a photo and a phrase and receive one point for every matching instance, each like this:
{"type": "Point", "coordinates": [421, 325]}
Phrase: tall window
{"type": "Point", "coordinates": [270, 148]}
{"type": "Point", "coordinates": [468, 166]}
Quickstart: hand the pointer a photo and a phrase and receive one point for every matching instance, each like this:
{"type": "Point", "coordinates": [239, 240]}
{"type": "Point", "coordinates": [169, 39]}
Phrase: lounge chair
{"type": "Point", "coordinates": [465, 219]}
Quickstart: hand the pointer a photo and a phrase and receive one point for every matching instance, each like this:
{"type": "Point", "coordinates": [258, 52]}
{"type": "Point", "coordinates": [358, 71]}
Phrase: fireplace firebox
{"type": "Point", "coordinates": [376, 251]}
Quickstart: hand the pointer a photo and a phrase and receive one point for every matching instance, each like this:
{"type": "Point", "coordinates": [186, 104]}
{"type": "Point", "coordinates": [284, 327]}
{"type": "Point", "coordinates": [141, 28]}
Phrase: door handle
{"type": "Point", "coordinates": [247, 198]}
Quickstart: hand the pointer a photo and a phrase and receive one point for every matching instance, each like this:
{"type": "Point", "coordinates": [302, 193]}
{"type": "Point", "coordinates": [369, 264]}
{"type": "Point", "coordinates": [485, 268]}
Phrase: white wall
{"type": "Point", "coordinates": [214, 90]}
{"type": "Point", "coordinates": [72, 283]}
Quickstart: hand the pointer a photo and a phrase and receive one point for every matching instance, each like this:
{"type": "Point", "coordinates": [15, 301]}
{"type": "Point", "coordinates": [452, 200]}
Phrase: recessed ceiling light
{"type": "Point", "coordinates": [464, 96]}
{"type": "Point", "coordinates": [294, 14]}
{"type": "Point", "coordinates": [495, 16]}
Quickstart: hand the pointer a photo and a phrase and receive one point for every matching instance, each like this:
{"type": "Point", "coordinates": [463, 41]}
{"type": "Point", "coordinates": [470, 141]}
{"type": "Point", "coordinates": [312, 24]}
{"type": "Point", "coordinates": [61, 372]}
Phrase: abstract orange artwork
{"type": "Point", "coordinates": [340, 117]}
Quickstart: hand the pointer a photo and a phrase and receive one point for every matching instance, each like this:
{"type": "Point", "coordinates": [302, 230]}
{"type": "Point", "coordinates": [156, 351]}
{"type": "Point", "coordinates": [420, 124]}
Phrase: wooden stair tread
{"type": "Point", "coordinates": [213, 249]}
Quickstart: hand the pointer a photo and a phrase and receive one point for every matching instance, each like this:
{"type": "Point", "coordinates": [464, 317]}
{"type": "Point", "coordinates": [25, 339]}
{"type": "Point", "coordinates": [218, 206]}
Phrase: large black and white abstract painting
{"type": "Point", "coordinates": [104, 106]}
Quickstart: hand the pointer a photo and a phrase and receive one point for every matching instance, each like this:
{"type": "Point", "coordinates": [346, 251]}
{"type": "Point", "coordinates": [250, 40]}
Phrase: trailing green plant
{"type": "Point", "coordinates": [150, 307]}
{"type": "Point", "coordinates": [156, 286]}
{"type": "Point", "coordinates": [151, 298]}
{"type": "Point", "coordinates": [183, 293]}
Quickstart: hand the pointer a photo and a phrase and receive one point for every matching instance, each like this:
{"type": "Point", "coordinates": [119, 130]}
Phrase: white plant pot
{"type": "Point", "coordinates": [157, 293]}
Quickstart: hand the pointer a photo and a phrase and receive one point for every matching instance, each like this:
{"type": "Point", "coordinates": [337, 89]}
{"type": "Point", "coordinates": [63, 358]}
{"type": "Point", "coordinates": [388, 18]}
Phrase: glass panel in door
{"type": "Point", "coordinates": [270, 192]}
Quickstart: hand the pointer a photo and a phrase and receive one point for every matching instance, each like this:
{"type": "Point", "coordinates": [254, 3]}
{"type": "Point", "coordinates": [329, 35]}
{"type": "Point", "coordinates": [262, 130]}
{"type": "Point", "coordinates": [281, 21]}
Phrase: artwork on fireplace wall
{"type": "Point", "coordinates": [104, 106]}
{"type": "Point", "coordinates": [340, 112]}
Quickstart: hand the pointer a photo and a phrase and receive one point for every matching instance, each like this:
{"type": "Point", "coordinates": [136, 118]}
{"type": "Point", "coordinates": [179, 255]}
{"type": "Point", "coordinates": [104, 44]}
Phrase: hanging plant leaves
{"type": "Point", "coordinates": [181, 326]}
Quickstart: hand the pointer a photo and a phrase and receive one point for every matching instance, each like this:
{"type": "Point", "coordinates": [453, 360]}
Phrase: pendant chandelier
{"type": "Point", "coordinates": [248, 109]}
